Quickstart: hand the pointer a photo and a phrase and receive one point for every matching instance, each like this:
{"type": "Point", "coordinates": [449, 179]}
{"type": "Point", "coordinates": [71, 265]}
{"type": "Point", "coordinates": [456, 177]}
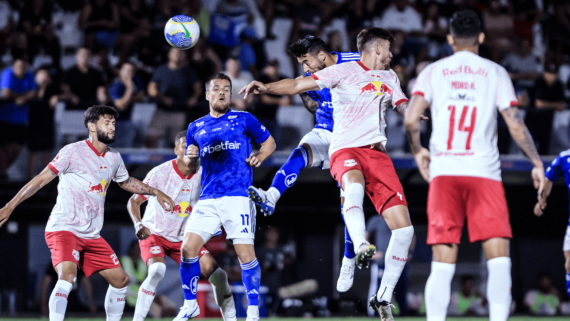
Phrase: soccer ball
{"type": "Point", "coordinates": [182, 32]}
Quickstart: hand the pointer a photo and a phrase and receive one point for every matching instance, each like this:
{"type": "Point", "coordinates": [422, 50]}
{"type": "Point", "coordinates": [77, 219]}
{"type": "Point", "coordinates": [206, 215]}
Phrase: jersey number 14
{"type": "Point", "coordinates": [462, 127]}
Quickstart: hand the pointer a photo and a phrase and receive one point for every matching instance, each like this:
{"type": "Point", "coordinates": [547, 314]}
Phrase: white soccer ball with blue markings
{"type": "Point", "coordinates": [182, 32]}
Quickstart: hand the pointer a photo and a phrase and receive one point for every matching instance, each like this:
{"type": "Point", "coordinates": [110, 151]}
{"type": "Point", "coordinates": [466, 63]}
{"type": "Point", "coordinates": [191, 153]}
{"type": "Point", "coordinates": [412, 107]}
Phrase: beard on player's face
{"type": "Point", "coordinates": [221, 106]}
{"type": "Point", "coordinates": [105, 137]}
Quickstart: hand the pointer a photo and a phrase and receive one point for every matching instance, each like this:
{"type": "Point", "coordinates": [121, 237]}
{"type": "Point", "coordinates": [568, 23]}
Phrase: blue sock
{"type": "Point", "coordinates": [190, 274]}
{"type": "Point", "coordinates": [250, 275]}
{"type": "Point", "coordinates": [348, 246]}
{"type": "Point", "coordinates": [568, 283]}
{"type": "Point", "coordinates": [287, 174]}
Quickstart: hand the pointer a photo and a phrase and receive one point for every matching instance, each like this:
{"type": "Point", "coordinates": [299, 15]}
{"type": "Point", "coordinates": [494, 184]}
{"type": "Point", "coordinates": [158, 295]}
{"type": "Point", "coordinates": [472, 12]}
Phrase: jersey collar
{"type": "Point", "coordinates": [95, 149]}
{"type": "Point", "coordinates": [180, 173]}
{"type": "Point", "coordinates": [362, 65]}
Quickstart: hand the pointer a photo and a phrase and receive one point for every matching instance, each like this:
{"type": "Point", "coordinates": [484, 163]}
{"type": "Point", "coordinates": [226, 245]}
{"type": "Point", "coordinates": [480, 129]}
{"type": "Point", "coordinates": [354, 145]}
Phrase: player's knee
{"type": "Point", "coordinates": [68, 276]}
{"type": "Point", "coordinates": [157, 270]}
{"type": "Point", "coordinates": [121, 281]}
{"type": "Point", "coordinates": [404, 233]}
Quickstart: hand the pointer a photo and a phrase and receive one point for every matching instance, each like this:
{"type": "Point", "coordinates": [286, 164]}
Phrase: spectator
{"type": "Point", "coordinates": [137, 270]}
{"type": "Point", "coordinates": [18, 88]}
{"type": "Point", "coordinates": [126, 90]}
{"type": "Point", "coordinates": [231, 18]}
{"type": "Point", "coordinates": [335, 41]}
{"type": "Point", "coordinates": [9, 38]}
{"type": "Point", "coordinates": [498, 28]}
{"type": "Point", "coordinates": [82, 85]}
{"type": "Point", "coordinates": [35, 21]}
{"type": "Point", "coordinates": [361, 14]}
{"type": "Point", "coordinates": [267, 106]}
{"type": "Point", "coordinates": [204, 61]}
{"type": "Point", "coordinates": [239, 80]}
{"type": "Point", "coordinates": [467, 301]}
{"type": "Point", "coordinates": [545, 300]}
{"type": "Point", "coordinates": [247, 57]}
{"type": "Point", "coordinates": [101, 21]}
{"type": "Point", "coordinates": [229, 262]}
{"type": "Point", "coordinates": [522, 65]}
{"type": "Point", "coordinates": [176, 88]}
{"type": "Point", "coordinates": [548, 98]}
{"type": "Point", "coordinates": [134, 26]}
{"type": "Point", "coordinates": [401, 16]}
{"type": "Point", "coordinates": [41, 130]}
{"type": "Point", "coordinates": [74, 303]}
{"type": "Point", "coordinates": [435, 27]}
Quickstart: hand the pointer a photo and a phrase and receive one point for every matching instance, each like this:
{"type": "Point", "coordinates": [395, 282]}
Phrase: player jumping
{"type": "Point", "coordinates": [222, 141]}
{"type": "Point", "coordinates": [361, 91]}
{"type": "Point", "coordinates": [85, 170]}
{"type": "Point", "coordinates": [313, 150]}
{"type": "Point", "coordinates": [160, 232]}
{"type": "Point", "coordinates": [465, 92]}
{"type": "Point", "coordinates": [559, 167]}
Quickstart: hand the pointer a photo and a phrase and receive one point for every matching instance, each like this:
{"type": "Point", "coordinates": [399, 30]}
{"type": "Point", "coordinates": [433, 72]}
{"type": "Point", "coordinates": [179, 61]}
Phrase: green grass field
{"type": "Point", "coordinates": [529, 318]}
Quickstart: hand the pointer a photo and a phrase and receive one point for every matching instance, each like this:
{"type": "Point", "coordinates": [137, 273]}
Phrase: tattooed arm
{"type": "Point", "coordinates": [135, 186]}
{"type": "Point", "coordinates": [309, 103]}
{"type": "Point", "coordinates": [46, 176]}
{"type": "Point", "coordinates": [402, 109]}
{"type": "Point", "coordinates": [522, 137]}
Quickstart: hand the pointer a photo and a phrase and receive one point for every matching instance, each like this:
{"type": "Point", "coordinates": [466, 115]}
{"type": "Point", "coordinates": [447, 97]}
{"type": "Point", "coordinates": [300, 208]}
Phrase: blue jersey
{"type": "Point", "coordinates": [224, 145]}
{"type": "Point", "coordinates": [323, 97]}
{"type": "Point", "coordinates": [560, 167]}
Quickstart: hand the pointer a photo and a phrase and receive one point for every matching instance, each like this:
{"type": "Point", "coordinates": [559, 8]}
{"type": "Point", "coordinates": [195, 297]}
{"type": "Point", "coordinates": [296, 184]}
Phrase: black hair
{"type": "Point", "coordinates": [465, 24]}
{"type": "Point", "coordinates": [467, 277]}
{"type": "Point", "coordinates": [219, 75]}
{"type": "Point", "coordinates": [180, 135]}
{"type": "Point", "coordinates": [368, 35]}
{"type": "Point", "coordinates": [309, 44]}
{"type": "Point", "coordinates": [93, 113]}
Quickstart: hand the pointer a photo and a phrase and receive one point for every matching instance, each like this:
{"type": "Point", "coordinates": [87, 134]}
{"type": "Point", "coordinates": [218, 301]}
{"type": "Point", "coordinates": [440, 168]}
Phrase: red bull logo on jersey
{"type": "Point", "coordinates": [103, 168]}
{"type": "Point", "coordinates": [376, 87]}
{"type": "Point", "coordinates": [100, 188]}
{"type": "Point", "coordinates": [185, 189]}
{"type": "Point", "coordinates": [182, 209]}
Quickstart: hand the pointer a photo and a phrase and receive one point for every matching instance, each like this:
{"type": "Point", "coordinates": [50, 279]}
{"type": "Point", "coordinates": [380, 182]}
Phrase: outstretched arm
{"type": "Point", "coordinates": [135, 186]}
{"type": "Point", "coordinates": [417, 107]}
{"type": "Point", "coordinates": [282, 87]}
{"type": "Point", "coordinates": [43, 178]}
{"type": "Point", "coordinates": [134, 208]}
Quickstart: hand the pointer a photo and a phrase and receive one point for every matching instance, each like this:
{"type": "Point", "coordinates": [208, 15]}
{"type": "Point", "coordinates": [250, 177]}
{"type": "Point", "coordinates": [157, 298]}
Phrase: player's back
{"type": "Point", "coordinates": [465, 92]}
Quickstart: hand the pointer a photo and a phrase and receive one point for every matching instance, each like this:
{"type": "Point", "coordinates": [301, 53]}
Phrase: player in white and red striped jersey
{"type": "Point", "coordinates": [161, 233]}
{"type": "Point", "coordinates": [85, 170]}
{"type": "Point", "coordinates": [361, 93]}
{"type": "Point", "coordinates": [466, 92]}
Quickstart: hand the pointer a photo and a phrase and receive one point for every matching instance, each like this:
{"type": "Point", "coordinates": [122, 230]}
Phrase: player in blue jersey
{"type": "Point", "coordinates": [222, 141]}
{"type": "Point", "coordinates": [313, 150]}
{"type": "Point", "coordinates": [559, 167]}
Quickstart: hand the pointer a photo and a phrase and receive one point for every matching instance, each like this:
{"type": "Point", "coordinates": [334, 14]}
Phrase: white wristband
{"type": "Point", "coordinates": [137, 225]}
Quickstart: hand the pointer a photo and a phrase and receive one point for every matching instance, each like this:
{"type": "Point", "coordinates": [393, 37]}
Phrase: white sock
{"type": "Point", "coordinates": [354, 214]}
{"type": "Point", "coordinates": [147, 290]}
{"type": "Point", "coordinates": [395, 261]}
{"type": "Point", "coordinates": [273, 195]}
{"type": "Point", "coordinates": [58, 300]}
{"type": "Point", "coordinates": [499, 288]}
{"type": "Point", "coordinates": [438, 290]}
{"type": "Point", "coordinates": [219, 281]}
{"type": "Point", "coordinates": [349, 262]}
{"type": "Point", "coordinates": [115, 303]}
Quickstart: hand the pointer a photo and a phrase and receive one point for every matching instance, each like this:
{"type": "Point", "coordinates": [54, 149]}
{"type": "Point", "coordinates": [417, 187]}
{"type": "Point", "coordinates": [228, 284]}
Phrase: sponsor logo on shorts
{"type": "Point", "coordinates": [115, 259]}
{"type": "Point", "coordinates": [199, 124]}
{"type": "Point", "coordinates": [204, 252]}
{"type": "Point", "coordinates": [350, 163]}
{"type": "Point", "coordinates": [75, 254]}
{"type": "Point", "coordinates": [290, 180]}
{"type": "Point", "coordinates": [400, 196]}
{"type": "Point", "coordinates": [403, 259]}
{"type": "Point", "coordinates": [244, 230]}
{"type": "Point", "coordinates": [148, 292]}
{"type": "Point", "coordinates": [63, 295]}
{"type": "Point", "coordinates": [155, 249]}
{"type": "Point", "coordinates": [199, 212]}
{"type": "Point", "coordinates": [194, 285]}
{"type": "Point", "coordinates": [232, 117]}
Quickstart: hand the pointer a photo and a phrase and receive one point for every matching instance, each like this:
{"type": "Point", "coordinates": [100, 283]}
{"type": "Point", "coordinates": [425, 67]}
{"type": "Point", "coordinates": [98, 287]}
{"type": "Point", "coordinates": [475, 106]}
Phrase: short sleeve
{"type": "Point", "coordinates": [423, 86]}
{"type": "Point", "coordinates": [255, 129]}
{"type": "Point", "coordinates": [398, 96]}
{"type": "Point", "coordinates": [121, 174]}
{"type": "Point", "coordinates": [190, 138]}
{"type": "Point", "coordinates": [554, 171]}
{"type": "Point", "coordinates": [506, 96]}
{"type": "Point", "coordinates": [151, 181]}
{"type": "Point", "coordinates": [330, 76]}
{"type": "Point", "coordinates": [62, 163]}
{"type": "Point", "coordinates": [6, 79]}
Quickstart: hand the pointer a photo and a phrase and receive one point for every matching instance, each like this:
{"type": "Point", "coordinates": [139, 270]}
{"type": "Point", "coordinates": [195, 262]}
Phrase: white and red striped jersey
{"type": "Point", "coordinates": [360, 97]}
{"type": "Point", "coordinates": [84, 177]}
{"type": "Point", "coordinates": [184, 191]}
{"type": "Point", "coordinates": [465, 92]}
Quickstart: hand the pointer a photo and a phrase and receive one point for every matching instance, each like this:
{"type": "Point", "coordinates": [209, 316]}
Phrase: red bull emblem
{"type": "Point", "coordinates": [103, 168]}
{"type": "Point", "coordinates": [185, 189]}
{"type": "Point", "coordinates": [376, 87]}
{"type": "Point", "coordinates": [100, 188]}
{"type": "Point", "coordinates": [182, 209]}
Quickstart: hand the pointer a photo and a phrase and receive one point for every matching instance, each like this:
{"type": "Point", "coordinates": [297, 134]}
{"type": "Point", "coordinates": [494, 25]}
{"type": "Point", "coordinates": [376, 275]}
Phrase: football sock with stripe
{"type": "Point", "coordinates": [147, 290]}
{"type": "Point", "coordinates": [189, 274]}
{"type": "Point", "coordinates": [58, 300]}
{"type": "Point", "coordinates": [348, 246]}
{"type": "Point", "coordinates": [115, 303]}
{"type": "Point", "coordinates": [438, 290]}
{"type": "Point", "coordinates": [250, 275]}
{"type": "Point", "coordinates": [288, 173]}
{"type": "Point", "coordinates": [499, 288]}
{"type": "Point", "coordinates": [395, 261]}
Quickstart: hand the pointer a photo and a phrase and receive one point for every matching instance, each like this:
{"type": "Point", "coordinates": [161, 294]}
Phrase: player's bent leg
{"type": "Point", "coordinates": [346, 275]}
{"type": "Point", "coordinates": [250, 275]}
{"type": "Point", "coordinates": [222, 291]}
{"type": "Point", "coordinates": [147, 290]}
{"type": "Point", "coordinates": [438, 285]}
{"type": "Point", "coordinates": [190, 273]}
{"type": "Point", "coordinates": [116, 293]}
{"type": "Point", "coordinates": [67, 273]}
{"type": "Point", "coordinates": [499, 281]}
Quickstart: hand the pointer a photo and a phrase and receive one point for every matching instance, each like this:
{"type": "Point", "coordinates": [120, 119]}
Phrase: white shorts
{"type": "Point", "coordinates": [235, 213]}
{"type": "Point", "coordinates": [320, 141]}
{"type": "Point", "coordinates": [567, 240]}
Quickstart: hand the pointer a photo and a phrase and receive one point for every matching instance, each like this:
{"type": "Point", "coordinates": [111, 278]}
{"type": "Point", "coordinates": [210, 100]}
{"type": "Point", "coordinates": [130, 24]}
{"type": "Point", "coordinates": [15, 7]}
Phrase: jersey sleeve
{"type": "Point", "coordinates": [151, 181]}
{"type": "Point", "coordinates": [423, 86]}
{"type": "Point", "coordinates": [506, 96]}
{"type": "Point", "coordinates": [255, 129]}
{"type": "Point", "coordinates": [121, 174]}
{"type": "Point", "coordinates": [554, 171]}
{"type": "Point", "coordinates": [62, 163]}
{"type": "Point", "coordinates": [330, 76]}
{"type": "Point", "coordinates": [398, 96]}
